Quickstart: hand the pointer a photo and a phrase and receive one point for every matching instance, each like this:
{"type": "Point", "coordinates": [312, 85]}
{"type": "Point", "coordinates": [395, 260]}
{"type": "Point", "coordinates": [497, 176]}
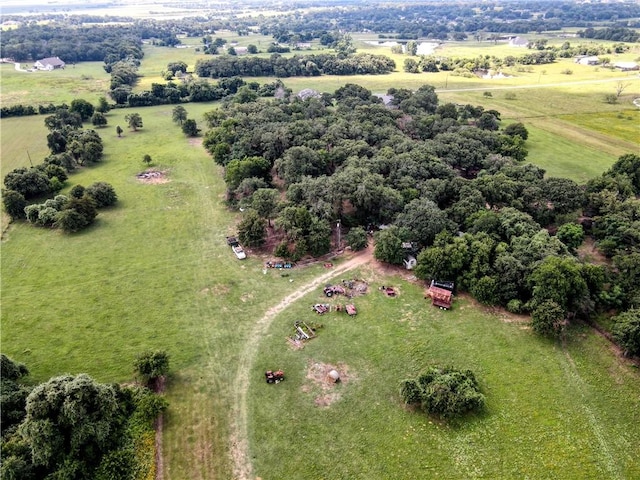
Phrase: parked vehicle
{"type": "Point", "coordinates": [274, 377]}
{"type": "Point", "coordinates": [236, 247]}
{"type": "Point", "coordinates": [331, 290]}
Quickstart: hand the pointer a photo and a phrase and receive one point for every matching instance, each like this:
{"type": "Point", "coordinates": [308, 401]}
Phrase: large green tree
{"type": "Point", "coordinates": [251, 229]}
{"type": "Point", "coordinates": [179, 114]}
{"type": "Point", "coordinates": [265, 202]}
{"type": "Point", "coordinates": [134, 120]}
{"type": "Point", "coordinates": [82, 107]}
{"type": "Point", "coordinates": [444, 391]}
{"type": "Point", "coordinates": [626, 331]}
{"type": "Point", "coordinates": [388, 245]}
{"type": "Point", "coordinates": [70, 423]}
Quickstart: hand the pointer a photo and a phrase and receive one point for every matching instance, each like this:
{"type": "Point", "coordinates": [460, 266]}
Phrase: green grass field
{"type": "Point", "coordinates": [551, 412]}
{"type": "Point", "coordinates": [154, 272]}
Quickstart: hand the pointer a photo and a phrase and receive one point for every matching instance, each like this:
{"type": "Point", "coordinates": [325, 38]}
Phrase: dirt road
{"type": "Point", "coordinates": [239, 442]}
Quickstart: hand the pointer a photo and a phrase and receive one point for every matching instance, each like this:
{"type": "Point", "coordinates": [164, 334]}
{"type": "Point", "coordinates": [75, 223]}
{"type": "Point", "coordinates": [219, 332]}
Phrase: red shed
{"type": "Point", "coordinates": [440, 297]}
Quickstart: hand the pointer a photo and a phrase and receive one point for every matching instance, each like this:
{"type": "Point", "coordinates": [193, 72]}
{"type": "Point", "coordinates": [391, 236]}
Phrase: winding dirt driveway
{"type": "Point", "coordinates": [239, 435]}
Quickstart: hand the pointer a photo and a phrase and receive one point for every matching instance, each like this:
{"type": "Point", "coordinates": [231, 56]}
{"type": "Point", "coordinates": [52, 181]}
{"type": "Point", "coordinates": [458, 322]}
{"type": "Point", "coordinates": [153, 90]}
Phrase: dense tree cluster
{"type": "Point", "coordinates": [86, 43]}
{"type": "Point", "coordinates": [295, 66]}
{"type": "Point", "coordinates": [71, 147]}
{"type": "Point", "coordinates": [616, 34]}
{"type": "Point", "coordinates": [469, 66]}
{"type": "Point", "coordinates": [446, 179]}
{"type": "Point", "coordinates": [443, 20]}
{"type": "Point", "coordinates": [73, 427]}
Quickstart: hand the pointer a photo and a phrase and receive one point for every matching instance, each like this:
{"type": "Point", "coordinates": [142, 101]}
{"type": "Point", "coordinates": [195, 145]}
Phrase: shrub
{"type": "Point", "coordinates": [444, 391]}
{"type": "Point", "coordinates": [626, 331]}
{"type": "Point", "coordinates": [102, 194]}
{"type": "Point", "coordinates": [282, 250]}
{"type": "Point", "coordinates": [151, 365]}
{"type": "Point", "coordinates": [548, 318]}
{"type": "Point", "coordinates": [611, 98]}
{"type": "Point", "coordinates": [515, 306]}
{"type": "Point", "coordinates": [357, 239]}
{"type": "Point", "coordinates": [14, 204]}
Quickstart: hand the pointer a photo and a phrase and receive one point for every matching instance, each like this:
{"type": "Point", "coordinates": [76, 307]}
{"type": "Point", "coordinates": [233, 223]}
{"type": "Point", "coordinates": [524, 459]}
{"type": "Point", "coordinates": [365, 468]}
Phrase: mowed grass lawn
{"type": "Point", "coordinates": [553, 411]}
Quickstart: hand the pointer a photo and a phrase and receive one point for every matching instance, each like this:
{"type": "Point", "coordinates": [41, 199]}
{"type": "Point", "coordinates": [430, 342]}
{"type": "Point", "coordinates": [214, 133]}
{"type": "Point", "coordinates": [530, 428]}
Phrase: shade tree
{"type": "Point", "coordinates": [179, 114]}
{"type": "Point", "coordinates": [626, 331]}
{"type": "Point", "coordinates": [134, 121]}
{"type": "Point", "coordinates": [83, 108]}
{"type": "Point", "coordinates": [251, 229]}
{"type": "Point", "coordinates": [445, 392]}
{"type": "Point", "coordinates": [150, 365]}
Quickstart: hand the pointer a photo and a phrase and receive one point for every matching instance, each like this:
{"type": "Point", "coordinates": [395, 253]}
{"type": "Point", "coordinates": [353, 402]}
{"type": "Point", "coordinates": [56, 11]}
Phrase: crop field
{"type": "Point", "coordinates": [154, 272]}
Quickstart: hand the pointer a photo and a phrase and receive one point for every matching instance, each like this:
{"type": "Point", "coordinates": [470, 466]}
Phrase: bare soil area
{"type": "Point", "coordinates": [153, 176]}
{"type": "Point", "coordinates": [319, 380]}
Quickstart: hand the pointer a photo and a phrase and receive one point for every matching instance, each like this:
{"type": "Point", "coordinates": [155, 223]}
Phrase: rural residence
{"type": "Point", "coordinates": [51, 63]}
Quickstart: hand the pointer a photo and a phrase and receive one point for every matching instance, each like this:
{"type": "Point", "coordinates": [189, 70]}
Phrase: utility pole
{"type": "Point", "coordinates": [338, 226]}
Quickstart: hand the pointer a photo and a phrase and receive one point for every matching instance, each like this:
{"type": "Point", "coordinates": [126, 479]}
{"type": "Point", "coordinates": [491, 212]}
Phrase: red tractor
{"type": "Point", "coordinates": [274, 377]}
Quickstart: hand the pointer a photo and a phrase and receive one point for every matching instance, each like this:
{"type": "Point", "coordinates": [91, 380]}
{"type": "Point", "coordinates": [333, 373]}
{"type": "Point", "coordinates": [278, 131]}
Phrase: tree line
{"type": "Point", "coordinates": [295, 66]}
{"type": "Point", "coordinates": [452, 21]}
{"type": "Point", "coordinates": [444, 178]}
{"type": "Point", "coordinates": [74, 43]}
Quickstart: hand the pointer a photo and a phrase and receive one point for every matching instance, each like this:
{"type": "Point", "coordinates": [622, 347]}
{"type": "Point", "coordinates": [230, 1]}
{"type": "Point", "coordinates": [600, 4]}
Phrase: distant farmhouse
{"type": "Point", "coordinates": [518, 42]}
{"type": "Point", "coordinates": [51, 63]}
{"type": "Point", "coordinates": [587, 60]}
{"type": "Point", "coordinates": [626, 66]}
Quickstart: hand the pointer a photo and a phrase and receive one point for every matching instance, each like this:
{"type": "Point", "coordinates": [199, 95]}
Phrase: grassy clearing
{"type": "Point", "coordinates": [548, 414]}
{"type": "Point", "coordinates": [86, 80]}
{"type": "Point", "coordinates": [154, 272]}
{"type": "Point", "coordinates": [624, 124]}
{"type": "Point", "coordinates": [19, 135]}
{"type": "Point", "coordinates": [564, 157]}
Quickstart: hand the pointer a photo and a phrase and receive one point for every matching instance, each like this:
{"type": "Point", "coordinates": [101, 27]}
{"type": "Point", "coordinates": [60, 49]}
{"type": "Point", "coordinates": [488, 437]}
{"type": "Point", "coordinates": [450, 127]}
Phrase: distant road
{"type": "Point", "coordinates": [538, 85]}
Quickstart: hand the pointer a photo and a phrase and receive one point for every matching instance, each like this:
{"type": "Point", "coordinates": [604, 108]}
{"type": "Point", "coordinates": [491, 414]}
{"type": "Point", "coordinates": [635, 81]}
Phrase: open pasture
{"type": "Point", "coordinates": [154, 272]}
{"type": "Point", "coordinates": [550, 412]}
{"type": "Point", "coordinates": [86, 80]}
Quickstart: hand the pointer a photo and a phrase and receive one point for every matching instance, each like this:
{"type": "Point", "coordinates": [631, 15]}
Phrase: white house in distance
{"type": "Point", "coordinates": [626, 66]}
{"type": "Point", "coordinates": [587, 60]}
{"type": "Point", "coordinates": [49, 64]}
{"type": "Point", "coordinates": [518, 42]}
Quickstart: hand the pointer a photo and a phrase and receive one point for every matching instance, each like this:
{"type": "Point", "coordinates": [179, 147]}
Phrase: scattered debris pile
{"type": "Point", "coordinates": [355, 286]}
{"type": "Point", "coordinates": [303, 331]}
{"type": "Point", "coordinates": [331, 290]}
{"type": "Point", "coordinates": [321, 308]}
{"type": "Point", "coordinates": [279, 264]}
{"type": "Point", "coordinates": [152, 176]}
{"type": "Point", "coordinates": [388, 291]}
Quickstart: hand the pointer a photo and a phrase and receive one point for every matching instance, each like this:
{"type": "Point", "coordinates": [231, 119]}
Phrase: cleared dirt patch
{"type": "Point", "coordinates": [152, 176]}
{"type": "Point", "coordinates": [319, 379]}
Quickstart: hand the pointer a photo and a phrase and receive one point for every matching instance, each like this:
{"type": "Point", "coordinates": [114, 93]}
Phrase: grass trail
{"type": "Point", "coordinates": [239, 433]}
